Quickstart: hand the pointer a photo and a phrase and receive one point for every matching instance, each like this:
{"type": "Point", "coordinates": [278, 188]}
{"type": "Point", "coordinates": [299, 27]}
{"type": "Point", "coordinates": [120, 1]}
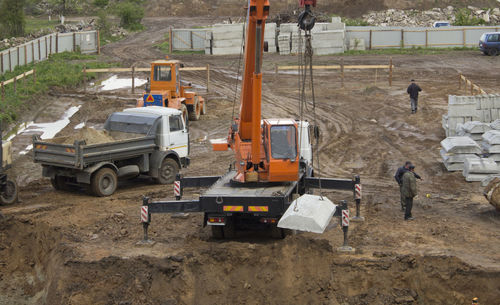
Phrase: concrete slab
{"type": "Point", "coordinates": [463, 145]}
{"type": "Point", "coordinates": [486, 116]}
{"type": "Point", "coordinates": [488, 179]}
{"type": "Point", "coordinates": [475, 177]}
{"type": "Point", "coordinates": [454, 167]}
{"type": "Point", "coordinates": [495, 125]}
{"type": "Point", "coordinates": [494, 157]}
{"type": "Point", "coordinates": [226, 43]}
{"type": "Point", "coordinates": [491, 149]}
{"type": "Point", "coordinates": [481, 166]}
{"type": "Point", "coordinates": [492, 137]}
{"type": "Point", "coordinates": [455, 158]}
{"type": "Point", "coordinates": [476, 127]}
{"type": "Point", "coordinates": [308, 213]}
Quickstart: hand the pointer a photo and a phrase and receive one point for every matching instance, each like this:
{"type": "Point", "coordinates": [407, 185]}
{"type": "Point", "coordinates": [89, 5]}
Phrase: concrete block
{"type": "Point", "coordinates": [288, 28]}
{"type": "Point", "coordinates": [327, 43]}
{"type": "Point", "coordinates": [336, 19]}
{"type": "Point", "coordinates": [494, 157]}
{"type": "Point", "coordinates": [480, 166]}
{"type": "Point", "coordinates": [461, 110]}
{"type": "Point", "coordinates": [460, 145]}
{"type": "Point", "coordinates": [490, 148]}
{"type": "Point", "coordinates": [494, 114]}
{"type": "Point", "coordinates": [452, 123]}
{"type": "Point", "coordinates": [477, 137]}
{"type": "Point", "coordinates": [308, 213]}
{"type": "Point", "coordinates": [226, 43]}
{"type": "Point", "coordinates": [495, 125]}
{"type": "Point", "coordinates": [455, 158]}
{"type": "Point", "coordinates": [496, 102]}
{"type": "Point", "coordinates": [335, 26]}
{"type": "Point", "coordinates": [486, 102]}
{"type": "Point", "coordinates": [453, 167]}
{"type": "Point", "coordinates": [486, 116]}
{"type": "Point", "coordinates": [475, 177]}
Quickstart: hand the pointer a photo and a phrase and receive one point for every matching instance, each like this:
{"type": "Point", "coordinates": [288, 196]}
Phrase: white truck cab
{"type": "Point", "coordinates": [172, 133]}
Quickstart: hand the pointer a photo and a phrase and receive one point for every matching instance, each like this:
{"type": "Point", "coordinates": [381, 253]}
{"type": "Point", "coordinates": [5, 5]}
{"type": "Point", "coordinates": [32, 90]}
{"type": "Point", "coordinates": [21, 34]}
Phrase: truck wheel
{"type": "Point", "coordinates": [277, 233]}
{"type": "Point", "coordinates": [204, 107]}
{"type": "Point", "coordinates": [168, 171]}
{"type": "Point", "coordinates": [104, 182]}
{"type": "Point", "coordinates": [59, 183]}
{"type": "Point", "coordinates": [218, 232]}
{"type": "Point", "coordinates": [194, 115]}
{"type": "Point", "coordinates": [185, 114]}
{"type": "Point", "coordinates": [493, 52]}
{"type": "Point", "coordinates": [10, 195]}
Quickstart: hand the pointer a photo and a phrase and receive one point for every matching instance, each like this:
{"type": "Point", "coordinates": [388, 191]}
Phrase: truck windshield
{"type": "Point", "coordinates": [162, 73]}
{"type": "Point", "coordinates": [283, 142]}
{"type": "Point", "coordinates": [125, 122]}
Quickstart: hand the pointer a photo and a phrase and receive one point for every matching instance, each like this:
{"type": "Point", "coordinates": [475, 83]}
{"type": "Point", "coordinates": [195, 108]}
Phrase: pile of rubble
{"type": "Point", "coordinates": [393, 17]}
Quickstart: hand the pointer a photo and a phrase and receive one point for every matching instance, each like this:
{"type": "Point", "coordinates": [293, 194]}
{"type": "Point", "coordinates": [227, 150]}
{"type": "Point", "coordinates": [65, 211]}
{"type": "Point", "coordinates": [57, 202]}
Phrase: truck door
{"type": "Point", "coordinates": [178, 136]}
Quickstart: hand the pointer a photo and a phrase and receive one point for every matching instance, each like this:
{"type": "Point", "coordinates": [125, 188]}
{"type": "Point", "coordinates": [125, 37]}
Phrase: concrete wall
{"type": "Point", "coordinates": [40, 48]}
{"type": "Point", "coordinates": [408, 37]}
{"type": "Point", "coordinates": [188, 39]}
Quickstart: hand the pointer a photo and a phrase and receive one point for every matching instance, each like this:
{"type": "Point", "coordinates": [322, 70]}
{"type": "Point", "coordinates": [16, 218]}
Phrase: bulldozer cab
{"type": "Point", "coordinates": [165, 76]}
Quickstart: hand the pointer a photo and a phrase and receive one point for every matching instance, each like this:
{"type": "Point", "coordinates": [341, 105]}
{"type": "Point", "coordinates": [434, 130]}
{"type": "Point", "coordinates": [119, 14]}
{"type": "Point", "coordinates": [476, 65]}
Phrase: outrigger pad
{"type": "Point", "coordinates": [308, 213]}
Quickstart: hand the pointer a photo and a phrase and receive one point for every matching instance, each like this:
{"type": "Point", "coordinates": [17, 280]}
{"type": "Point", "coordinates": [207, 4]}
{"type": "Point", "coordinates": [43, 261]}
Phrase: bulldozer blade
{"type": "Point", "coordinates": [308, 213]}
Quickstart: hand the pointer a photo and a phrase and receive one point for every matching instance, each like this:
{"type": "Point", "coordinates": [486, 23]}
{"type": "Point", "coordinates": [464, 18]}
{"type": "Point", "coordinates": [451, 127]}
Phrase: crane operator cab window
{"type": "Point", "coordinates": [283, 142]}
{"type": "Point", "coordinates": [162, 73]}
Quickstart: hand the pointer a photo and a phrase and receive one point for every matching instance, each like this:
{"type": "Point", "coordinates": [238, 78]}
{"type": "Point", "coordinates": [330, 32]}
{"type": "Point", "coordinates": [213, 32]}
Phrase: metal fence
{"type": "Point", "coordinates": [409, 37]}
{"type": "Point", "coordinates": [188, 39]}
{"type": "Point", "coordinates": [40, 48]}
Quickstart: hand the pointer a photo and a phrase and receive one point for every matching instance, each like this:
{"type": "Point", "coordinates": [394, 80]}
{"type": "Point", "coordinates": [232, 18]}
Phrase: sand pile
{"type": "Point", "coordinates": [87, 134]}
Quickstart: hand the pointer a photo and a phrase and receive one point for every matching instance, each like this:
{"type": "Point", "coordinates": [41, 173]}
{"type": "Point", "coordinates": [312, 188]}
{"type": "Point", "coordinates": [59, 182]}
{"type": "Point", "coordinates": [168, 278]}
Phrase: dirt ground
{"type": "Point", "coordinates": [71, 248]}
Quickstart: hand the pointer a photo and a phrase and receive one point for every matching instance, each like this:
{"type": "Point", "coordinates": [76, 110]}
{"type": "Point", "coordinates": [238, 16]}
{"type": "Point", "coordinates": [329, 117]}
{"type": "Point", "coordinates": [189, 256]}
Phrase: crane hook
{"type": "Point", "coordinates": [306, 19]}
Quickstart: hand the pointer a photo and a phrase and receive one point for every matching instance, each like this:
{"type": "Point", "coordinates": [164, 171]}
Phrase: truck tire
{"type": "Point", "coordinates": [10, 195]}
{"type": "Point", "coordinates": [492, 52]}
{"type": "Point", "coordinates": [194, 115]}
{"type": "Point", "coordinates": [104, 182]}
{"type": "Point", "coordinates": [217, 232]}
{"type": "Point", "coordinates": [185, 114]}
{"type": "Point", "coordinates": [59, 183]}
{"type": "Point", "coordinates": [168, 170]}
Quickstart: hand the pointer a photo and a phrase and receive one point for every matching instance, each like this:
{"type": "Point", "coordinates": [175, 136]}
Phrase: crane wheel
{"type": "Point", "coordinates": [194, 114]}
{"type": "Point", "coordinates": [204, 107]}
{"type": "Point", "coordinates": [10, 195]}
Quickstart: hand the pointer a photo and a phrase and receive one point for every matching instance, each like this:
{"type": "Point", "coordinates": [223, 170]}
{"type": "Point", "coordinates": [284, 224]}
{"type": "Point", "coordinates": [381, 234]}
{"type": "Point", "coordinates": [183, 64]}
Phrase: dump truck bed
{"type": "Point", "coordinates": [79, 155]}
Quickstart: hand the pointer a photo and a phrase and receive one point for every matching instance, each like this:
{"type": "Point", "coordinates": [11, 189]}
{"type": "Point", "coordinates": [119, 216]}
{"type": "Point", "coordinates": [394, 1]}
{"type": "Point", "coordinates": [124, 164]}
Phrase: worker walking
{"type": "Point", "coordinates": [409, 190]}
{"type": "Point", "coordinates": [399, 179]}
{"type": "Point", "coordinates": [413, 90]}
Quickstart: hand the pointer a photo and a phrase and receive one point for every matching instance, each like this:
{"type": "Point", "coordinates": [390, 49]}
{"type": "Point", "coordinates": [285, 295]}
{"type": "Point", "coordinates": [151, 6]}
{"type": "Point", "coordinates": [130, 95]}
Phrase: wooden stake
{"type": "Point", "coordinates": [98, 43]}
{"type": "Point", "coordinates": [18, 56]}
{"type": "Point", "coordinates": [390, 72]}
{"type": "Point", "coordinates": [46, 48]}
{"type": "Point", "coordinates": [463, 36]}
{"type": "Point", "coordinates": [74, 42]}
{"type": "Point", "coordinates": [133, 80]}
{"type": "Point", "coordinates": [342, 73]}
{"type": "Point", "coordinates": [370, 45]}
{"type": "Point", "coordinates": [32, 52]}
{"type": "Point", "coordinates": [39, 51]}
{"type": "Point", "coordinates": [50, 50]}
{"type": "Point", "coordinates": [25, 55]}
{"type": "Point", "coordinates": [471, 88]}
{"type": "Point", "coordinates": [3, 90]}
{"type": "Point", "coordinates": [1, 63]}
{"type": "Point", "coordinates": [10, 62]}
{"type": "Point", "coordinates": [84, 78]}
{"type": "Point", "coordinates": [170, 39]}
{"type": "Point", "coordinates": [15, 84]}
{"type": "Point", "coordinates": [24, 81]}
{"type": "Point", "coordinates": [402, 38]}
{"type": "Point", "coordinates": [426, 38]}
{"type": "Point", "coordinates": [57, 42]}
{"type": "Point", "coordinates": [208, 77]}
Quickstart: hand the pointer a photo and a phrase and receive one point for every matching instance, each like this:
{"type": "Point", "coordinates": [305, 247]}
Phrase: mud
{"type": "Point", "coordinates": [61, 247]}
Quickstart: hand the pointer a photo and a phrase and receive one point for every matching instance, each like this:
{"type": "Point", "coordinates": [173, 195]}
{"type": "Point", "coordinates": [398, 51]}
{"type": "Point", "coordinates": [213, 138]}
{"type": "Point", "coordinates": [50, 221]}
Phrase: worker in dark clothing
{"type": "Point", "coordinates": [413, 90]}
{"type": "Point", "coordinates": [399, 179]}
{"type": "Point", "coordinates": [409, 190]}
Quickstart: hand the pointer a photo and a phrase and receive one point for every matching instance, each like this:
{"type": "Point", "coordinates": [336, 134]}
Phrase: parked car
{"type": "Point", "coordinates": [489, 43]}
{"type": "Point", "coordinates": [439, 24]}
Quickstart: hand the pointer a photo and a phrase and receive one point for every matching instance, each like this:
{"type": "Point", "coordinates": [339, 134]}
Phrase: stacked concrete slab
{"type": "Point", "coordinates": [456, 150]}
{"type": "Point", "coordinates": [284, 43]}
{"type": "Point", "coordinates": [270, 37]}
{"type": "Point", "coordinates": [491, 144]}
{"type": "Point", "coordinates": [328, 42]}
{"type": "Point", "coordinates": [461, 109]}
{"type": "Point", "coordinates": [479, 169]}
{"type": "Point", "coordinates": [473, 130]}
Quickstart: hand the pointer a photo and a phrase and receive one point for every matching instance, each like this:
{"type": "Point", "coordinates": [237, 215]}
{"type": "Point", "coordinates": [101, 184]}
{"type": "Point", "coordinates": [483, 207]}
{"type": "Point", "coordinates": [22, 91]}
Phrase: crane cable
{"type": "Point", "coordinates": [305, 64]}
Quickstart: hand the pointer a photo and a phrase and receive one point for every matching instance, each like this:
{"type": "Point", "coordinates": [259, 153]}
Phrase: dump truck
{"type": "Point", "coordinates": [164, 89]}
{"type": "Point", "coordinates": [151, 141]}
{"type": "Point", "coordinates": [270, 179]}
{"type": "Point", "coordinates": [8, 187]}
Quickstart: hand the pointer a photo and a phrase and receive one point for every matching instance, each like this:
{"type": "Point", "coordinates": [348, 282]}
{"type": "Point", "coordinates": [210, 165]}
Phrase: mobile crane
{"type": "Point", "coordinates": [273, 157]}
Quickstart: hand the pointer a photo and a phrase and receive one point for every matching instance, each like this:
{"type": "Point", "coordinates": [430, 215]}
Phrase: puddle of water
{"type": "Point", "coordinates": [114, 83]}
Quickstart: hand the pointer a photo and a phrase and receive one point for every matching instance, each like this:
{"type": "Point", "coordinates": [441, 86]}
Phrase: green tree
{"type": "Point", "coordinates": [464, 17]}
{"type": "Point", "coordinates": [12, 21]}
{"type": "Point", "coordinates": [131, 14]}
